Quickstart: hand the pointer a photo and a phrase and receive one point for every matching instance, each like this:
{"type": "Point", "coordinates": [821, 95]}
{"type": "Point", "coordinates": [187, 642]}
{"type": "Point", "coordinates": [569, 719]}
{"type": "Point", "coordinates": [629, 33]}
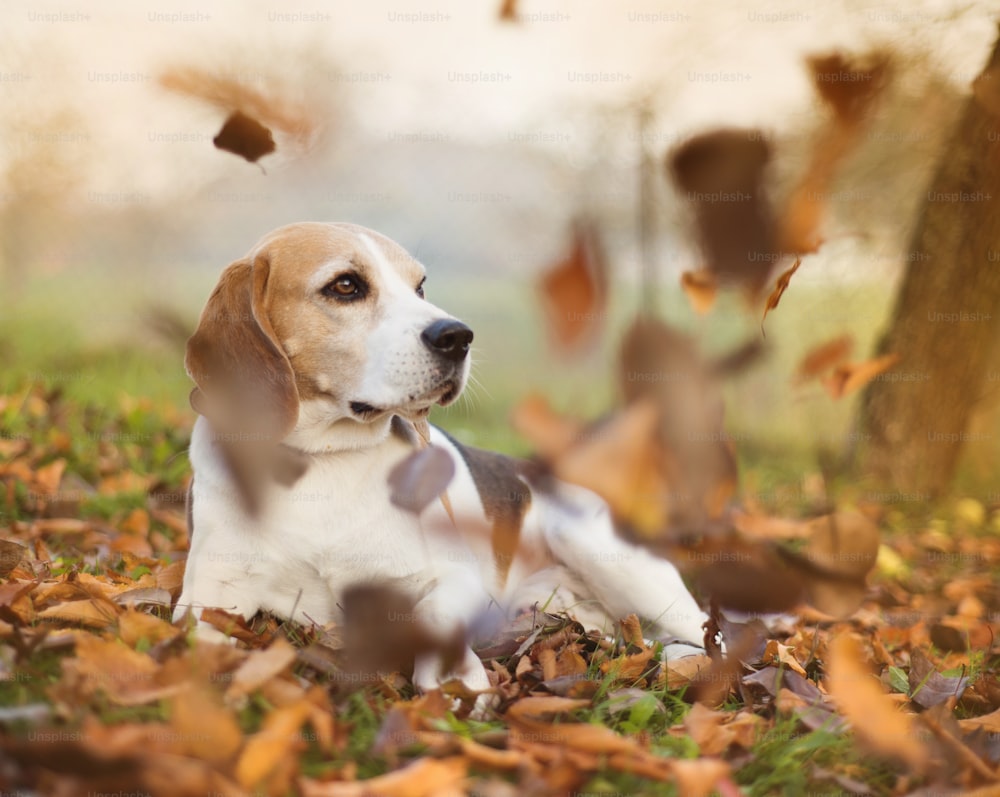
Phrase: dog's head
{"type": "Point", "coordinates": [325, 324]}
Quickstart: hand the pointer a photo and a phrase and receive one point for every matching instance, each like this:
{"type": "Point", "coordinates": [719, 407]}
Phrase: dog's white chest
{"type": "Point", "coordinates": [332, 529]}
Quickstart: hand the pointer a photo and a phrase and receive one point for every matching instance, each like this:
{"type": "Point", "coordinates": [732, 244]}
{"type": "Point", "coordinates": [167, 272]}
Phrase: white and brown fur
{"type": "Point", "coordinates": [342, 378]}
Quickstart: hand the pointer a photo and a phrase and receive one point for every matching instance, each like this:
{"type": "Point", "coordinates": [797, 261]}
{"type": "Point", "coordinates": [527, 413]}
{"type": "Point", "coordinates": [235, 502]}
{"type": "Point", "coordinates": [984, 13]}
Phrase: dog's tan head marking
{"type": "Point", "coordinates": [323, 325]}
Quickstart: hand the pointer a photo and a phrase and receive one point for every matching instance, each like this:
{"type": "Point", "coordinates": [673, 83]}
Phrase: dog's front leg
{"type": "Point", "coordinates": [449, 608]}
{"type": "Point", "coordinates": [217, 575]}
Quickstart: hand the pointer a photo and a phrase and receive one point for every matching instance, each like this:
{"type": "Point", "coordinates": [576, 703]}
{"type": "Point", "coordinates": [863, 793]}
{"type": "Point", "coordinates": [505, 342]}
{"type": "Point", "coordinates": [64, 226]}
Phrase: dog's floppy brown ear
{"type": "Point", "coordinates": [244, 379]}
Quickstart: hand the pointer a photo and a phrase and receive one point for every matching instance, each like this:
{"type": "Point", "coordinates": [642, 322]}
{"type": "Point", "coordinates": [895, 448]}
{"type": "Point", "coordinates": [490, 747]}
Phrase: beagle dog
{"type": "Point", "coordinates": [320, 340]}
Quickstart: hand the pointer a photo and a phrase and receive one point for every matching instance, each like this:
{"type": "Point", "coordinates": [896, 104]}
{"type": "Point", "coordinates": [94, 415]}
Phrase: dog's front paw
{"type": "Point", "coordinates": [471, 675]}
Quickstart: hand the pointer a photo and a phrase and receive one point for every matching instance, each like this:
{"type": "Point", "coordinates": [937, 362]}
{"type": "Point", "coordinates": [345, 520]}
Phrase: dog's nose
{"type": "Point", "coordinates": [449, 338]}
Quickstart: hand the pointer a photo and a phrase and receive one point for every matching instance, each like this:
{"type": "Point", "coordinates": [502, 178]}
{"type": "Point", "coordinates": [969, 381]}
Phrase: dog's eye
{"type": "Point", "coordinates": [420, 288]}
{"type": "Point", "coordinates": [346, 286]}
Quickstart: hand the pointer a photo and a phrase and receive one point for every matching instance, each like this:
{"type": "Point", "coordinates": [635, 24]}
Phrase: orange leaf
{"type": "Point", "coordinates": [531, 707]}
{"type": "Point", "coordinates": [47, 478]}
{"type": "Point", "coordinates": [88, 613]}
{"type": "Point", "coordinates": [779, 290]}
{"type": "Point", "coordinates": [701, 289]}
{"type": "Point", "coordinates": [135, 627]}
{"type": "Point", "coordinates": [850, 91]}
{"type": "Point", "coordinates": [425, 777]}
{"type": "Point", "coordinates": [872, 713]}
{"type": "Point", "coordinates": [203, 727]}
{"type": "Point", "coordinates": [847, 378]}
{"type": "Point", "coordinates": [508, 11]}
{"type": "Point", "coordinates": [137, 522]}
{"type": "Point", "coordinates": [572, 291]}
{"type": "Point", "coordinates": [277, 740]}
{"type": "Point", "coordinates": [699, 778]}
{"type": "Point", "coordinates": [620, 462]}
{"type": "Point", "coordinates": [822, 357]}
{"type": "Point", "coordinates": [260, 667]}
{"type": "Point", "coordinates": [112, 667]}
{"type": "Point", "coordinates": [550, 433]}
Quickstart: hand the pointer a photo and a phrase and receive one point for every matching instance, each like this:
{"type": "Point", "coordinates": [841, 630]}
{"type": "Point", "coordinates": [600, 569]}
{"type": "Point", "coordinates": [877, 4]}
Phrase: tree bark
{"type": "Point", "coordinates": [946, 323]}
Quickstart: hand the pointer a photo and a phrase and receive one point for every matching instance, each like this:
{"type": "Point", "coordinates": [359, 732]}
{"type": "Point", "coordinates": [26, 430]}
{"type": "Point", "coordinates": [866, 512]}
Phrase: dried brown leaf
{"type": "Point", "coordinates": [824, 357]}
{"type": "Point", "coordinates": [11, 554]}
{"type": "Point", "coordinates": [279, 739]}
{"type": "Point", "coordinates": [202, 727]}
{"type": "Point", "coordinates": [260, 667]}
{"type": "Point", "coordinates": [779, 289]}
{"type": "Point", "coordinates": [701, 289]}
{"type": "Point", "coordinates": [876, 719]}
{"type": "Point", "coordinates": [425, 777]}
{"type": "Point", "coordinates": [244, 136]}
{"type": "Point", "coordinates": [721, 173]}
{"type": "Point", "coordinates": [849, 87]}
{"type": "Point", "coordinates": [550, 433]}
{"type": "Point", "coordinates": [847, 378]}
{"type": "Point", "coordinates": [573, 290]}
{"type": "Point", "coordinates": [420, 478]}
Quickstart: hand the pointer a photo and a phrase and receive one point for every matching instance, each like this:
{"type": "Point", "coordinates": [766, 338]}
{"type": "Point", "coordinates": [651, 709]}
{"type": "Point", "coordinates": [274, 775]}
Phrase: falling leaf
{"type": "Point", "coordinates": [245, 137]}
{"type": "Point", "coordinates": [382, 632]}
{"type": "Point", "coordinates": [842, 550]}
{"type": "Point", "coordinates": [850, 92]}
{"type": "Point", "coordinates": [252, 111]}
{"type": "Point", "coordinates": [552, 434]}
{"type": "Point", "coordinates": [748, 578]}
{"type": "Point", "coordinates": [508, 11]}
{"type": "Point", "coordinates": [847, 378]}
{"type": "Point", "coordinates": [697, 475]}
{"type": "Point", "coordinates": [721, 174]}
{"type": "Point", "coordinates": [421, 478]}
{"type": "Point", "coordinates": [701, 289]}
{"type": "Point", "coordinates": [849, 86]}
{"type": "Point", "coordinates": [779, 290]}
{"type": "Point", "coordinates": [573, 291]}
{"type": "Point", "coordinates": [874, 717]}
{"type": "Point", "coordinates": [824, 357]}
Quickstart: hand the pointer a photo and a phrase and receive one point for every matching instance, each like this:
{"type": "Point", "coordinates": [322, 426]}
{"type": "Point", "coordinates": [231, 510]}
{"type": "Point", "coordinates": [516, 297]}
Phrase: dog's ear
{"type": "Point", "coordinates": [244, 379]}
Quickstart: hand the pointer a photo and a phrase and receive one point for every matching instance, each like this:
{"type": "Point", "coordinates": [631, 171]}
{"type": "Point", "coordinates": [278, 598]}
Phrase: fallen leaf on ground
{"type": "Point", "coordinates": [874, 717]}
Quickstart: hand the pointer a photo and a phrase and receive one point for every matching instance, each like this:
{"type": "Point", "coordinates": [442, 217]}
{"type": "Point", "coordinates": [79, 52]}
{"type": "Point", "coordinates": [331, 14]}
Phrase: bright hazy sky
{"type": "Point", "coordinates": [442, 67]}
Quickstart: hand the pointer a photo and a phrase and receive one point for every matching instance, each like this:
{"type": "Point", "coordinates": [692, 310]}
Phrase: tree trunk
{"type": "Point", "coordinates": [946, 323]}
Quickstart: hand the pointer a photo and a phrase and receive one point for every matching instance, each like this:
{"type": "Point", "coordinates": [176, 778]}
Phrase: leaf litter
{"type": "Point", "coordinates": [881, 645]}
